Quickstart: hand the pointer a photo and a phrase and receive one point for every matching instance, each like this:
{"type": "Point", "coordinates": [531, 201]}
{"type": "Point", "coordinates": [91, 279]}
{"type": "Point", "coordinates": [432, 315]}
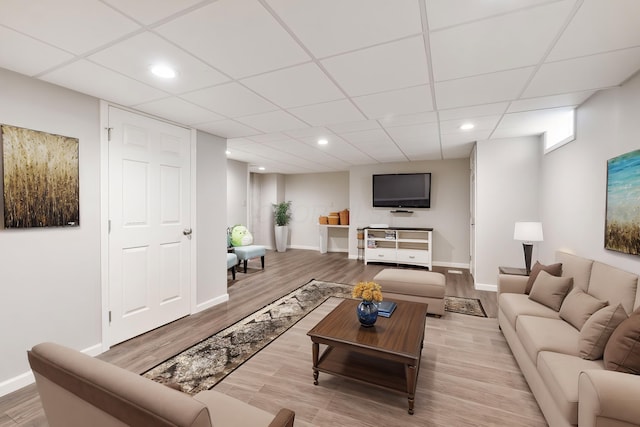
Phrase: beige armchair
{"type": "Point", "coordinates": [78, 390]}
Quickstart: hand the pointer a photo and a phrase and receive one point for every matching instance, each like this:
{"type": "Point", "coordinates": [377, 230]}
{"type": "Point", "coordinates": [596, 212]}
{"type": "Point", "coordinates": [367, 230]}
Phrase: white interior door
{"type": "Point", "coordinates": [149, 214]}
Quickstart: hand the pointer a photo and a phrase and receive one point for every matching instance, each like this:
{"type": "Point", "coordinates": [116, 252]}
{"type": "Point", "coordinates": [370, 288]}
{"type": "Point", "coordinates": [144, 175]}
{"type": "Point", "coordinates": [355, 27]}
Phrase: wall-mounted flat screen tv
{"type": "Point", "coordinates": [402, 190]}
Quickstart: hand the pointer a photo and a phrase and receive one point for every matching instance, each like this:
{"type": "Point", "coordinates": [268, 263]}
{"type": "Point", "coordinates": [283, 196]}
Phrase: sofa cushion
{"type": "Point", "coordinates": [614, 285]}
{"type": "Point", "coordinates": [578, 306]}
{"type": "Point", "coordinates": [228, 411]}
{"type": "Point", "coordinates": [596, 331]}
{"type": "Point", "coordinates": [514, 305]}
{"type": "Point", "coordinates": [553, 269]}
{"type": "Point", "coordinates": [550, 290]}
{"type": "Point", "coordinates": [560, 373]}
{"type": "Point", "coordinates": [538, 334]}
{"type": "Point", "coordinates": [622, 352]}
{"type": "Point", "coordinates": [577, 267]}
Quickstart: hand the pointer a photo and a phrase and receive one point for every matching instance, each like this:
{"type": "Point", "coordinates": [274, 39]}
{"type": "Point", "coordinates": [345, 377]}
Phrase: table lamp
{"type": "Point", "coordinates": [528, 232]}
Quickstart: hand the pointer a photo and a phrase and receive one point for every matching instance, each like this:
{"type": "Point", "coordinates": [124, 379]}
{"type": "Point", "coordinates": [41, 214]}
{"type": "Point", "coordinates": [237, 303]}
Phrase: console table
{"type": "Point", "coordinates": [399, 246]}
{"type": "Point", "coordinates": [324, 235]}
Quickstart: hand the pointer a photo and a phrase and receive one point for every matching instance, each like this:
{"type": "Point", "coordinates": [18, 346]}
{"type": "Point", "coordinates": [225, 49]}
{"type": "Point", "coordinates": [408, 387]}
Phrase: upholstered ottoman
{"type": "Point", "coordinates": [414, 285]}
{"type": "Point", "coordinates": [248, 252]}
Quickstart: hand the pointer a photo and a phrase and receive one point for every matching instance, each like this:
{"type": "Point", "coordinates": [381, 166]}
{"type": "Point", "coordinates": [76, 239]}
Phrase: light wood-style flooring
{"type": "Point", "coordinates": [469, 347]}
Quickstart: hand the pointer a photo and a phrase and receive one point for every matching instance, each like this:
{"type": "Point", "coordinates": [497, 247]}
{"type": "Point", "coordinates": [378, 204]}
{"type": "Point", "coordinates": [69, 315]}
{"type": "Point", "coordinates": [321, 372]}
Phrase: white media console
{"type": "Point", "coordinates": [398, 246]}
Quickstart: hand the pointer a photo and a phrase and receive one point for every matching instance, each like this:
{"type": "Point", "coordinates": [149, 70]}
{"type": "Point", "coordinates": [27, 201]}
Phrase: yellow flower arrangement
{"type": "Point", "coordinates": [368, 291]}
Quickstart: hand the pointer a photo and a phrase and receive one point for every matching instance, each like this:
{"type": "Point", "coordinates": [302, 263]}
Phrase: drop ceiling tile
{"type": "Point", "coordinates": [135, 56]}
{"type": "Point", "coordinates": [41, 56]}
{"type": "Point", "coordinates": [150, 11]}
{"type": "Point", "coordinates": [330, 27]}
{"type": "Point", "coordinates": [397, 102]}
{"type": "Point", "coordinates": [564, 100]}
{"type": "Point", "coordinates": [485, 89]}
{"type": "Point", "coordinates": [179, 110]}
{"type": "Point", "coordinates": [228, 129]}
{"type": "Point", "coordinates": [77, 26]}
{"type": "Point", "coordinates": [476, 111]}
{"type": "Point", "coordinates": [269, 137]}
{"type": "Point", "coordinates": [412, 139]}
{"type": "Point", "coordinates": [368, 138]}
{"type": "Point", "coordinates": [354, 126]}
{"type": "Point", "coordinates": [454, 139]}
{"type": "Point", "coordinates": [599, 26]}
{"type": "Point", "coordinates": [296, 86]}
{"type": "Point", "coordinates": [86, 77]}
{"type": "Point", "coordinates": [480, 124]}
{"type": "Point", "coordinates": [527, 123]}
{"type": "Point", "coordinates": [504, 42]}
{"type": "Point", "coordinates": [409, 119]}
{"type": "Point", "coordinates": [445, 13]}
{"type": "Point", "coordinates": [239, 37]}
{"type": "Point", "coordinates": [328, 113]}
{"type": "Point", "coordinates": [458, 151]}
{"type": "Point", "coordinates": [309, 132]}
{"type": "Point", "coordinates": [273, 121]}
{"type": "Point", "coordinates": [570, 76]}
{"type": "Point", "coordinates": [380, 68]}
{"type": "Point", "coordinates": [230, 99]}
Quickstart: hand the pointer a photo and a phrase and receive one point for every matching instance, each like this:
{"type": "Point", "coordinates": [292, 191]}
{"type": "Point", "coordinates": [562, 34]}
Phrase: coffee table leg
{"type": "Point", "coordinates": [315, 349]}
{"type": "Point", "coordinates": [412, 374]}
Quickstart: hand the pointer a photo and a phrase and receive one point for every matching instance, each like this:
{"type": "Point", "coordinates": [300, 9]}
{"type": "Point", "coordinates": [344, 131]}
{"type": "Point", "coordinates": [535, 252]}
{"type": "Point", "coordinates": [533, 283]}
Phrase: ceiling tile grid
{"type": "Point", "coordinates": [382, 81]}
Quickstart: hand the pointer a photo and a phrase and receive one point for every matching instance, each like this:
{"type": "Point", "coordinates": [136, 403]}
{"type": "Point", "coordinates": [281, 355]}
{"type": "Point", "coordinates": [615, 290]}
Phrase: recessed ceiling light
{"type": "Point", "coordinates": [467, 126]}
{"type": "Point", "coordinates": [163, 71]}
{"type": "Point", "coordinates": [227, 152]}
{"type": "Point", "coordinates": [322, 142]}
{"type": "Point", "coordinates": [261, 168]}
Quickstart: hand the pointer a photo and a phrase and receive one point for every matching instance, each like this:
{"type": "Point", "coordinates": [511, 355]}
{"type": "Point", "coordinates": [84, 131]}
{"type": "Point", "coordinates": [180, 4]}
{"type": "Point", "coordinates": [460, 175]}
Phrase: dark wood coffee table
{"type": "Point", "coordinates": [386, 355]}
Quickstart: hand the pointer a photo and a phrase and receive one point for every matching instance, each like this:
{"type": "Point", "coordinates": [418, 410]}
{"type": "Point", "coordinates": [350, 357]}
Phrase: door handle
{"type": "Point", "coordinates": [187, 231]}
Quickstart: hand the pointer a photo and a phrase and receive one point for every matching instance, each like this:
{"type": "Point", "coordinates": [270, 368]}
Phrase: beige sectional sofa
{"type": "Point", "coordinates": [569, 389]}
{"type": "Point", "coordinates": [80, 391]}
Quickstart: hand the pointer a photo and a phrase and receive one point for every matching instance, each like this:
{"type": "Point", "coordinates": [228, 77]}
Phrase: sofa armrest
{"type": "Point", "coordinates": [511, 284]}
{"type": "Point", "coordinates": [608, 398]}
{"type": "Point", "coordinates": [284, 418]}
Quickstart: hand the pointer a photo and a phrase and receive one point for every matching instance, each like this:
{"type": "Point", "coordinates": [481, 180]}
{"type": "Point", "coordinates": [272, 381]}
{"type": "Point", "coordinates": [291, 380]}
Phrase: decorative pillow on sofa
{"type": "Point", "coordinates": [596, 331]}
{"type": "Point", "coordinates": [550, 290]}
{"type": "Point", "coordinates": [622, 352]}
{"type": "Point", "coordinates": [552, 269]}
{"type": "Point", "coordinates": [578, 306]}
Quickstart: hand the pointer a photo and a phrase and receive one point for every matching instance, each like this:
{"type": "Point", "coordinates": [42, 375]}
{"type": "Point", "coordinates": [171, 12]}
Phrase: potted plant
{"type": "Point", "coordinates": [281, 216]}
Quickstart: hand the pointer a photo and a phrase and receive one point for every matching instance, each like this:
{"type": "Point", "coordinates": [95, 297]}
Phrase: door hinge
{"type": "Point", "coordinates": [109, 133]}
{"type": "Point", "coordinates": [109, 227]}
{"type": "Point", "coordinates": [109, 316]}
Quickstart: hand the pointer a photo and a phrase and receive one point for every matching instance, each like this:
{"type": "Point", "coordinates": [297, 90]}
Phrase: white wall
{"type": "Point", "coordinates": [574, 176]}
{"type": "Point", "coordinates": [50, 277]}
{"type": "Point", "coordinates": [211, 220]}
{"type": "Point", "coordinates": [313, 195]}
{"type": "Point", "coordinates": [237, 192]}
{"type": "Point", "coordinates": [448, 215]}
{"type": "Point", "coordinates": [507, 191]}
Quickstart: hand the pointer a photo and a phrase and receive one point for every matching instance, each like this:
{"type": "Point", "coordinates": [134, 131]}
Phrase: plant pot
{"type": "Point", "coordinates": [282, 234]}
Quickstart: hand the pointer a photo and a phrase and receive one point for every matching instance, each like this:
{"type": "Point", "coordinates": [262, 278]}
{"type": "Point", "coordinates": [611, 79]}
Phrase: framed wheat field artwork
{"type": "Point", "coordinates": [40, 174]}
{"type": "Point", "coordinates": [622, 223]}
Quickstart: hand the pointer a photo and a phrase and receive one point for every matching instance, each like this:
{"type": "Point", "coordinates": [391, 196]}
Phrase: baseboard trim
{"type": "Point", "coordinates": [450, 264]}
{"type": "Point", "coordinates": [27, 378]}
{"type": "Point", "coordinates": [212, 302]}
{"type": "Point", "coordinates": [485, 287]}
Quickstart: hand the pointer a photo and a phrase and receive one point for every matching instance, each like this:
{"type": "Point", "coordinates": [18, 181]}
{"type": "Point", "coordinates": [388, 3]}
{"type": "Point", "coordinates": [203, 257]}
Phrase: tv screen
{"type": "Point", "coordinates": [402, 190]}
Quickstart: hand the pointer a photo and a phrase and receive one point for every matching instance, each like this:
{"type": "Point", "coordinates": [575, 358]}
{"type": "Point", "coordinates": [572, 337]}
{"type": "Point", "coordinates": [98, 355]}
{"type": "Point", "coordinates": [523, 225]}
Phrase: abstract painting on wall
{"type": "Point", "coordinates": [40, 178]}
{"type": "Point", "coordinates": [622, 227]}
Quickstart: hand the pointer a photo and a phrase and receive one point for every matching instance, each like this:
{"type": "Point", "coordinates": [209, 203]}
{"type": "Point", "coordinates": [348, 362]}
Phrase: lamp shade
{"type": "Point", "coordinates": [528, 231]}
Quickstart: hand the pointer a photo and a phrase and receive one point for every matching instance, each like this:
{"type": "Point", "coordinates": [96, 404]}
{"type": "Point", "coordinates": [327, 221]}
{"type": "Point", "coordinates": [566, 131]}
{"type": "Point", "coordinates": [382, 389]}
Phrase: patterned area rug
{"type": "Point", "coordinates": [203, 365]}
{"type": "Point", "coordinates": [470, 306]}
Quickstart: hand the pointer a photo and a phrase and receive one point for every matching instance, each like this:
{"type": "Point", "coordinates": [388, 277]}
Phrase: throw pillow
{"type": "Point", "coordinates": [622, 352]}
{"type": "Point", "coordinates": [552, 269]}
{"type": "Point", "coordinates": [550, 290]}
{"type": "Point", "coordinates": [596, 331]}
{"type": "Point", "coordinates": [578, 306]}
